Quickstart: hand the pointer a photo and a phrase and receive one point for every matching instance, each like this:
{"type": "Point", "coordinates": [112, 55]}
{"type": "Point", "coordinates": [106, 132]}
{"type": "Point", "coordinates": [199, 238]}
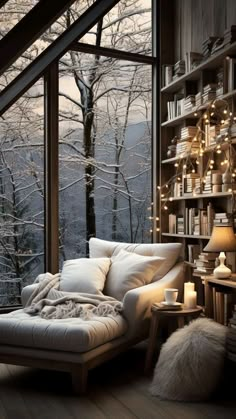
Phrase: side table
{"type": "Point", "coordinates": [176, 319]}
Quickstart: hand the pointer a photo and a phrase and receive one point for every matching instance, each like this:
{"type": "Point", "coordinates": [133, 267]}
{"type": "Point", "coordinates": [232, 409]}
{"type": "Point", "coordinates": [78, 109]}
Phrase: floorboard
{"type": "Point", "coordinates": [118, 389]}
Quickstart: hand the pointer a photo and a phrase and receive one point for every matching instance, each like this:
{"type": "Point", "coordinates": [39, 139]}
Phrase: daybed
{"type": "Point", "coordinates": [77, 345]}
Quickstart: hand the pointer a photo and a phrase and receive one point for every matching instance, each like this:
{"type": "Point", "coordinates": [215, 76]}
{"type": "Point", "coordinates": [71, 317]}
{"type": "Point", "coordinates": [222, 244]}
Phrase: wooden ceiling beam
{"type": "Point", "coordinates": [28, 29]}
{"type": "Point", "coordinates": [58, 48]}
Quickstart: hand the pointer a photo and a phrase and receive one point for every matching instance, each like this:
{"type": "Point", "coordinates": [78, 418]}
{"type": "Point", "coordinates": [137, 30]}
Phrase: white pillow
{"type": "Point", "coordinates": [84, 275]}
{"type": "Point", "coordinates": [170, 251]}
{"type": "Point", "coordinates": [128, 271]}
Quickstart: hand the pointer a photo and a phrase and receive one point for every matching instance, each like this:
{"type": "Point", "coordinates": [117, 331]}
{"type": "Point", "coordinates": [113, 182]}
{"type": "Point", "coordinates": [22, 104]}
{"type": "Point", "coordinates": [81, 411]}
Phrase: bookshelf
{"type": "Point", "coordinates": [197, 146]}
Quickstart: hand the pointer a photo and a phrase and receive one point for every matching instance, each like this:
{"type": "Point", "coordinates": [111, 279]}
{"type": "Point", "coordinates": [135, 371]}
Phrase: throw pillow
{"type": "Point", "coordinates": [191, 362]}
{"type": "Point", "coordinates": [84, 275]}
{"type": "Point", "coordinates": [128, 271]}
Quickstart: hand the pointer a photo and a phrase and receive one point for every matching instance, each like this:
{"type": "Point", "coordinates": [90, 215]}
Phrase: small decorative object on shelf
{"type": "Point", "coordinates": [222, 240]}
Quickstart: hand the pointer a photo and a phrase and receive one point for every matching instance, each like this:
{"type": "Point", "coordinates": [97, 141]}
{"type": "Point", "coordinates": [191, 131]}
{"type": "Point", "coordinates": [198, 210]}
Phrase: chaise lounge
{"type": "Point", "coordinates": [77, 345]}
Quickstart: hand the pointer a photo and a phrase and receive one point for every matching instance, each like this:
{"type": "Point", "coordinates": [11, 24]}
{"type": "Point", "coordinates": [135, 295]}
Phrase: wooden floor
{"type": "Point", "coordinates": [118, 389]}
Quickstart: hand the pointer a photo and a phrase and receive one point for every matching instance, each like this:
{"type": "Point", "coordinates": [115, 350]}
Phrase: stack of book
{"type": "Point", "coordinates": [179, 224]}
{"type": "Point", "coordinates": [231, 336]}
{"type": "Point", "coordinates": [186, 146]}
{"type": "Point", "coordinates": [188, 132]}
{"type": "Point", "coordinates": [178, 189]}
{"type": "Point", "coordinates": [179, 69]}
{"type": "Point", "coordinates": [205, 263]}
{"type": "Point", "coordinates": [209, 93]}
{"type": "Point", "coordinates": [207, 188]}
{"type": "Point", "coordinates": [162, 306]}
{"type": "Point", "coordinates": [213, 131]}
{"type": "Point", "coordinates": [189, 103]}
{"type": "Point", "coordinates": [190, 181]}
{"type": "Point", "coordinates": [223, 218]}
{"type": "Point", "coordinates": [207, 45]}
{"type": "Point", "coordinates": [229, 35]}
{"type": "Point", "coordinates": [218, 44]}
{"type": "Point", "coordinates": [198, 99]}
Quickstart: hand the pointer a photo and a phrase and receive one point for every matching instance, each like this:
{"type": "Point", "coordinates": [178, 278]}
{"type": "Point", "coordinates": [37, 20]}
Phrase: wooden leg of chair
{"type": "Point", "coordinates": [79, 376]}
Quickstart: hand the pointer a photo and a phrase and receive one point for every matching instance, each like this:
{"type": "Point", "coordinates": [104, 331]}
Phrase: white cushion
{"type": "Point", "coordinates": [70, 335]}
{"type": "Point", "coordinates": [129, 271]}
{"type": "Point", "coordinates": [84, 275]}
{"type": "Point", "coordinates": [169, 251]}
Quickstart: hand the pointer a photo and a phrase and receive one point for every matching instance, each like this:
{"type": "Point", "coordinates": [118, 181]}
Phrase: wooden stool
{"type": "Point", "coordinates": [176, 319]}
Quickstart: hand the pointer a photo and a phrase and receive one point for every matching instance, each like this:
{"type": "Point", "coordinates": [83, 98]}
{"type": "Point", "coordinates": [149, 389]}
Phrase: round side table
{"type": "Point", "coordinates": [176, 319]}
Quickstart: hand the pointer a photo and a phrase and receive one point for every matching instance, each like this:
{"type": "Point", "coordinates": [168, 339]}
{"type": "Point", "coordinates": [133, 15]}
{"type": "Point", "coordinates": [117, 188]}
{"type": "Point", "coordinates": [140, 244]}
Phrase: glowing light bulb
{"type": "Point", "coordinates": [176, 164]}
{"type": "Point", "coordinates": [162, 195]}
{"type": "Point", "coordinates": [157, 218]}
{"type": "Point", "coordinates": [225, 111]}
{"type": "Point", "coordinates": [165, 207]}
{"type": "Point", "coordinates": [229, 190]}
{"type": "Point", "coordinates": [212, 161]}
{"type": "Point", "coordinates": [213, 105]}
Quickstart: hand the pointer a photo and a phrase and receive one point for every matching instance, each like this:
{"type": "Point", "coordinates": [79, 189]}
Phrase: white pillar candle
{"type": "Point", "coordinates": [191, 299]}
{"type": "Point", "coordinates": [188, 287]}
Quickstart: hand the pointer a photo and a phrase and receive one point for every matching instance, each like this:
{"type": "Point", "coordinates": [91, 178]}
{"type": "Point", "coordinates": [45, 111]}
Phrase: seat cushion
{"type": "Point", "coordinates": [170, 251]}
{"type": "Point", "coordinates": [73, 334]}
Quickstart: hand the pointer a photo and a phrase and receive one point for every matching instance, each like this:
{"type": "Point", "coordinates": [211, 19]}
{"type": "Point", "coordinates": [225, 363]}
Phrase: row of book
{"type": "Point", "coordinates": [199, 221]}
{"type": "Point", "coordinates": [195, 221]}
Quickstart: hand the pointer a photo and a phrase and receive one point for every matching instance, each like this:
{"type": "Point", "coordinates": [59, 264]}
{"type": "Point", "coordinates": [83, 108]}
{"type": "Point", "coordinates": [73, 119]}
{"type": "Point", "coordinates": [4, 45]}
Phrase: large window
{"type": "Point", "coordinates": [105, 143]}
{"type": "Point", "coordinates": [105, 151]}
{"type": "Point", "coordinates": [21, 195]}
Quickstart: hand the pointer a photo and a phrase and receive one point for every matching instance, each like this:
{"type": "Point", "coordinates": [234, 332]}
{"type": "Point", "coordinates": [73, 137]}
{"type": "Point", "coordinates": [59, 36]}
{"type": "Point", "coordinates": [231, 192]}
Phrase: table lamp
{"type": "Point", "coordinates": [222, 240]}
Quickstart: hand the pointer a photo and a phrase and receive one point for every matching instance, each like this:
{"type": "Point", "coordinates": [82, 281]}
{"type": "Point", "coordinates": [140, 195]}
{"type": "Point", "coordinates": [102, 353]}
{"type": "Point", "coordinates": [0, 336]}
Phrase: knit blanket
{"type": "Point", "coordinates": [50, 303]}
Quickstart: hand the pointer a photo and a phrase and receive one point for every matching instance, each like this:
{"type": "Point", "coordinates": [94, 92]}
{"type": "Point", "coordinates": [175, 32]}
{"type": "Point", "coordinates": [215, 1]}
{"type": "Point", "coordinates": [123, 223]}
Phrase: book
{"type": "Point", "coordinates": [166, 307]}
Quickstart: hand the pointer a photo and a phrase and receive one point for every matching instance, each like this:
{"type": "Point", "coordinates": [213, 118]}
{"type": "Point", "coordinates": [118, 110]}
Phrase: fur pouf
{"type": "Point", "coordinates": [191, 362]}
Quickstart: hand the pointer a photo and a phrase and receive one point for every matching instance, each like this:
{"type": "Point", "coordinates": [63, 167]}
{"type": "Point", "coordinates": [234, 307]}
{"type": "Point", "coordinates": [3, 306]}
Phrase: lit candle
{"type": "Point", "coordinates": [188, 286]}
{"type": "Point", "coordinates": [191, 299]}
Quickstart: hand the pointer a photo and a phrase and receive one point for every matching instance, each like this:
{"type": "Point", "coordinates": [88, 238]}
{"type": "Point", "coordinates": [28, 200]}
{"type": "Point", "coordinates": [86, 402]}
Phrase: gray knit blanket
{"type": "Point", "coordinates": [50, 303]}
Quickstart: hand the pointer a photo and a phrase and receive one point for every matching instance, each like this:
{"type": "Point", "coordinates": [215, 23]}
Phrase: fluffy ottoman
{"type": "Point", "coordinates": [191, 362]}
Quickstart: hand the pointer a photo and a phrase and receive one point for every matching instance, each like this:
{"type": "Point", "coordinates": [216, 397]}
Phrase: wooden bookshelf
{"type": "Point", "coordinates": [210, 63]}
{"type": "Point", "coordinates": [182, 33]}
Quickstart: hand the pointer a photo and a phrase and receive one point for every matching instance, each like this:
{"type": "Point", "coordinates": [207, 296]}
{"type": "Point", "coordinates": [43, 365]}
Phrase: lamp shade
{"type": "Point", "coordinates": [222, 240]}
